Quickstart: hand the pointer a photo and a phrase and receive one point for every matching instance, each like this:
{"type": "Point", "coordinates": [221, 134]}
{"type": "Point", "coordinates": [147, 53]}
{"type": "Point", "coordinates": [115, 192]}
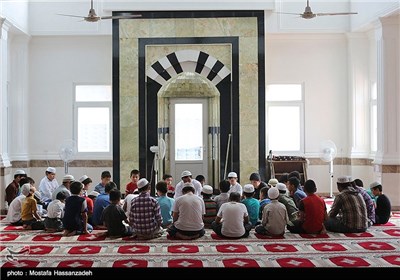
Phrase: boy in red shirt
{"type": "Point", "coordinates": [312, 210]}
{"type": "Point", "coordinates": [131, 187]}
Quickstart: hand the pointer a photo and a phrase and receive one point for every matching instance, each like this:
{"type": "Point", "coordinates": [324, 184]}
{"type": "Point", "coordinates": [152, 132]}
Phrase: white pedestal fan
{"type": "Point", "coordinates": [159, 154]}
{"type": "Point", "coordinates": [67, 152]}
{"type": "Point", "coordinates": [327, 153]}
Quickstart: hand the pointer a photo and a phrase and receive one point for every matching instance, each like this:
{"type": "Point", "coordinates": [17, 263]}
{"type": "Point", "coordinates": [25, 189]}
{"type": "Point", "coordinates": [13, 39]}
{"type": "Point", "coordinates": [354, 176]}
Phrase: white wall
{"type": "Point", "coordinates": [16, 12]}
{"type": "Point", "coordinates": [370, 10]}
{"type": "Point", "coordinates": [317, 60]}
{"type": "Point", "coordinates": [56, 64]}
{"type": "Point", "coordinates": [320, 62]}
{"type": "Point", "coordinates": [44, 18]}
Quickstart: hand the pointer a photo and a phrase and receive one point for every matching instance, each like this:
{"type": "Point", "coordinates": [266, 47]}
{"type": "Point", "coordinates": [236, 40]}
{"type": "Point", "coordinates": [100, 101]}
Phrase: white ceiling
{"type": "Point", "coordinates": [39, 17]}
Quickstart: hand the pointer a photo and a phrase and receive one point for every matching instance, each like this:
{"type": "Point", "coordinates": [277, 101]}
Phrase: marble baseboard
{"type": "Point", "coordinates": [60, 163]}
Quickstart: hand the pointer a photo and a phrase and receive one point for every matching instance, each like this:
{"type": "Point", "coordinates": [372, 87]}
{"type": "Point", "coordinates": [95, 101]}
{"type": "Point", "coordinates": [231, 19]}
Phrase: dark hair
{"type": "Point", "coordinates": [109, 186]}
{"type": "Point", "coordinates": [378, 187]}
{"type": "Point", "coordinates": [26, 180]}
{"type": "Point", "coordinates": [295, 174]}
{"type": "Point", "coordinates": [200, 178]}
{"type": "Point", "coordinates": [135, 172]}
{"type": "Point", "coordinates": [234, 196]}
{"type": "Point", "coordinates": [92, 197]}
{"type": "Point", "coordinates": [20, 175]}
{"type": "Point", "coordinates": [105, 174]}
{"type": "Point", "coordinates": [284, 178]}
{"type": "Point", "coordinates": [187, 189]}
{"type": "Point", "coordinates": [359, 183]}
{"type": "Point", "coordinates": [76, 187]}
{"type": "Point", "coordinates": [247, 195]}
{"type": "Point", "coordinates": [115, 195]}
{"type": "Point", "coordinates": [310, 187]}
{"type": "Point", "coordinates": [61, 195]}
{"type": "Point", "coordinates": [206, 195]}
{"type": "Point", "coordinates": [224, 186]}
{"type": "Point", "coordinates": [294, 181]}
{"type": "Point", "coordinates": [264, 191]}
{"type": "Point", "coordinates": [162, 187]}
{"type": "Point", "coordinates": [255, 177]}
{"type": "Point", "coordinates": [166, 176]}
{"type": "Point", "coordinates": [87, 181]}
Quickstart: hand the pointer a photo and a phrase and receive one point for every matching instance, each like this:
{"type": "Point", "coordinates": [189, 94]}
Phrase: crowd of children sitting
{"type": "Point", "coordinates": [192, 206]}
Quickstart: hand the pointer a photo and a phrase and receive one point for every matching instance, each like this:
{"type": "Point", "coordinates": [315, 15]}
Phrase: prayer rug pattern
{"type": "Point", "coordinates": [378, 247]}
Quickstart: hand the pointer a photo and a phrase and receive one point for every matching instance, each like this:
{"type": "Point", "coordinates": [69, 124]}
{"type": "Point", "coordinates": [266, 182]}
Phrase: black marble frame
{"type": "Point", "coordinates": [229, 104]}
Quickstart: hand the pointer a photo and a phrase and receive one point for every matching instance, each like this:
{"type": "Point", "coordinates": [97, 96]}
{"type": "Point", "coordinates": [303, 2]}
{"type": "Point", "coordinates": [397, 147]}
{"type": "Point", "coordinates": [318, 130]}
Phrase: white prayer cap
{"type": "Point", "coordinates": [51, 170]}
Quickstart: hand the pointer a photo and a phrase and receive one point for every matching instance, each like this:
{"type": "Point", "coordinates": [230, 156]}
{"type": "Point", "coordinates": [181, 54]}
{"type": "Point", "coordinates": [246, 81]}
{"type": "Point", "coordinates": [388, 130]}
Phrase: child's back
{"type": "Point", "coordinates": [113, 216]}
{"type": "Point", "coordinates": [252, 204]}
{"type": "Point", "coordinates": [166, 203]}
{"type": "Point", "coordinates": [75, 214]}
{"type": "Point", "coordinates": [223, 197]}
{"type": "Point", "coordinates": [274, 218]}
{"type": "Point", "coordinates": [211, 206]}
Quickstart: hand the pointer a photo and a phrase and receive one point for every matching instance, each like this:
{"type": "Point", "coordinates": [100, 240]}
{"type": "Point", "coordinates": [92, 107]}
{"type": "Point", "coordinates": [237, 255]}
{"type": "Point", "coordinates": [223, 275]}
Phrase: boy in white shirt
{"type": "Point", "coordinates": [232, 219]}
{"type": "Point", "coordinates": [235, 186]}
{"type": "Point", "coordinates": [55, 213]}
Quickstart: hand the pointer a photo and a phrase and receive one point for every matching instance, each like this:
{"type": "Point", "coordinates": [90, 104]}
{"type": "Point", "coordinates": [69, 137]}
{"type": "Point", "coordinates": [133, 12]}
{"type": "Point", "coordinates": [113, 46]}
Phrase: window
{"type": "Point", "coordinates": [285, 119]}
{"type": "Point", "coordinates": [188, 131]}
{"type": "Point", "coordinates": [93, 119]}
{"type": "Point", "coordinates": [374, 118]}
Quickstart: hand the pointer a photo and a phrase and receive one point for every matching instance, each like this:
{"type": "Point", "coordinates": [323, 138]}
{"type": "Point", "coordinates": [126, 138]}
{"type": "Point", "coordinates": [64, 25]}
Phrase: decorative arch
{"type": "Point", "coordinates": [224, 78]}
{"type": "Point", "coordinates": [177, 62]}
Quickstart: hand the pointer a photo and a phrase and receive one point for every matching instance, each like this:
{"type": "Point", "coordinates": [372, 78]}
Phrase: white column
{"type": "Point", "coordinates": [4, 159]}
{"type": "Point", "coordinates": [359, 94]}
{"type": "Point", "coordinates": [387, 158]}
{"type": "Point", "coordinates": [4, 79]}
{"type": "Point", "coordinates": [19, 98]}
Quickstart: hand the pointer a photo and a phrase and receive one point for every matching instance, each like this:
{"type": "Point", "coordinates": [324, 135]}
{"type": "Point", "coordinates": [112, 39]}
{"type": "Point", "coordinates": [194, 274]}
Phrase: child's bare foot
{"type": "Point", "coordinates": [27, 227]}
{"type": "Point", "coordinates": [69, 233]}
{"type": "Point", "coordinates": [100, 234]}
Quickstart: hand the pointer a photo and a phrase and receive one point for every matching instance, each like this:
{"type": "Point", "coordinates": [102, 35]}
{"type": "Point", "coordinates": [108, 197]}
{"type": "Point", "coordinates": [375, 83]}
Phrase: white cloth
{"type": "Point", "coordinates": [181, 184]}
{"type": "Point", "coordinates": [236, 188]}
{"type": "Point", "coordinates": [232, 214]}
{"type": "Point", "coordinates": [55, 209]}
{"type": "Point", "coordinates": [191, 209]}
{"type": "Point", "coordinates": [46, 188]}
{"type": "Point", "coordinates": [14, 209]}
{"type": "Point", "coordinates": [127, 202]}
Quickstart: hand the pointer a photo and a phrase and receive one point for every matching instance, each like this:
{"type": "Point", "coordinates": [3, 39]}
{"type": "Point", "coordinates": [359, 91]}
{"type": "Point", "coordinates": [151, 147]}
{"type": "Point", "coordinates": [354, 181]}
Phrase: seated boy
{"type": "Point", "coordinates": [113, 217]}
{"type": "Point", "coordinates": [75, 215]}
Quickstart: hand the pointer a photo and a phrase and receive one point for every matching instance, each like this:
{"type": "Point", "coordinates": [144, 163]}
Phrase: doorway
{"type": "Point", "coordinates": [188, 136]}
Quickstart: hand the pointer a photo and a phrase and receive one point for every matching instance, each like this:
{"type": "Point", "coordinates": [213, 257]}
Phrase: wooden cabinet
{"type": "Point", "coordinates": [277, 165]}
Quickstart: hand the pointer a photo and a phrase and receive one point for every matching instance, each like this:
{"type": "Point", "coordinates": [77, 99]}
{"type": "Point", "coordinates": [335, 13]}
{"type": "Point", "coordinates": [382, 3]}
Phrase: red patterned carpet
{"type": "Point", "coordinates": [378, 247]}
